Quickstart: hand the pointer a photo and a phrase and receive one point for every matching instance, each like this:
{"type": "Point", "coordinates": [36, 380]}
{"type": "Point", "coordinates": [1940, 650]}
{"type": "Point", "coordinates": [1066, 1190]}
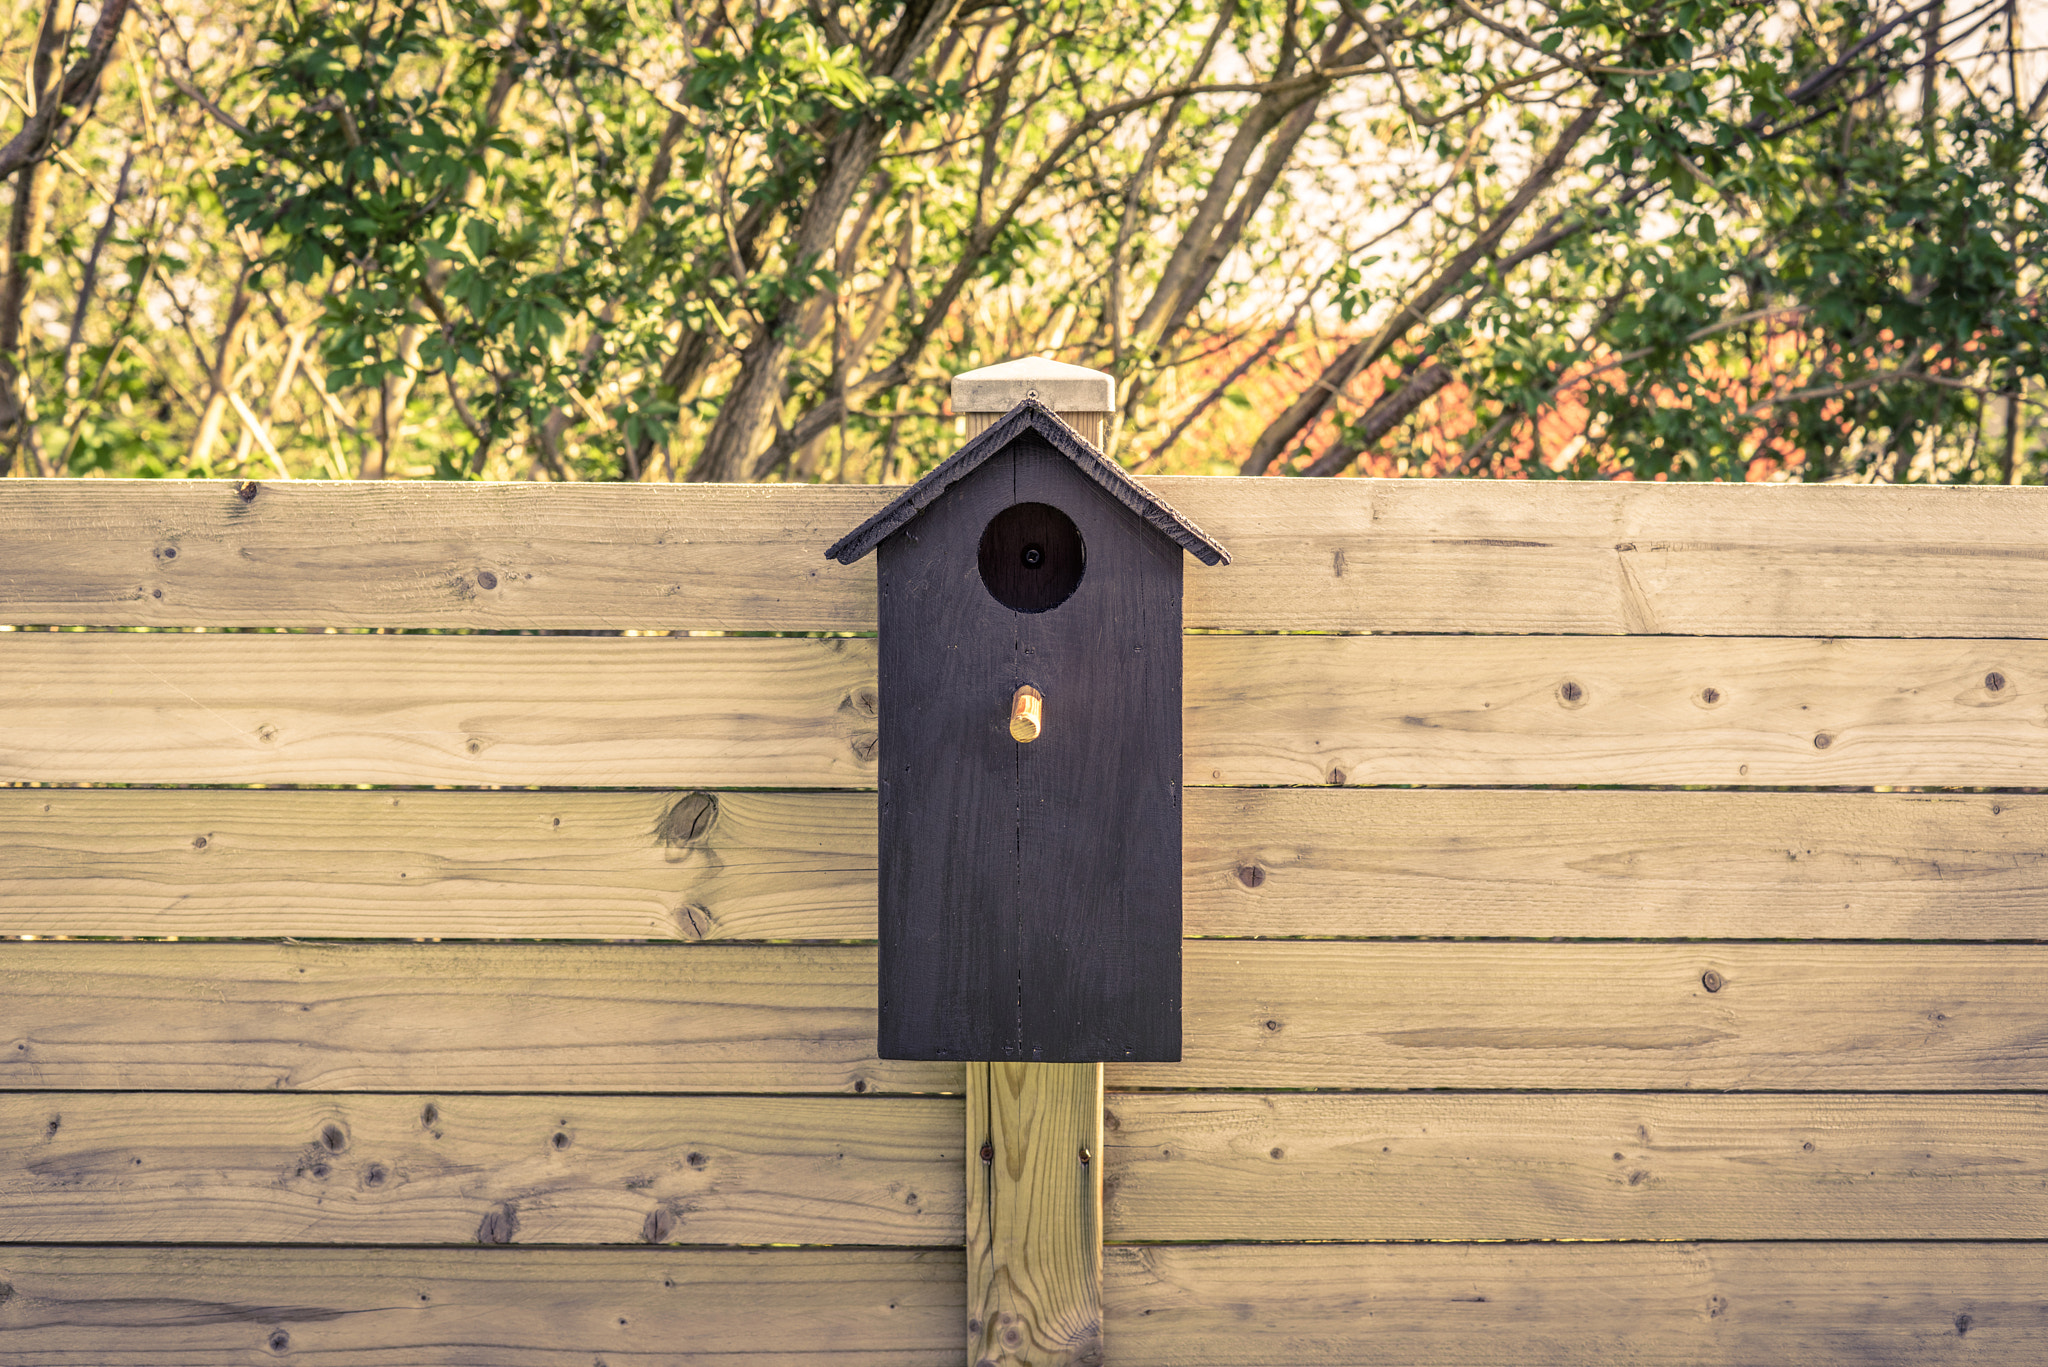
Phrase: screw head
{"type": "Point", "coordinates": [1033, 557]}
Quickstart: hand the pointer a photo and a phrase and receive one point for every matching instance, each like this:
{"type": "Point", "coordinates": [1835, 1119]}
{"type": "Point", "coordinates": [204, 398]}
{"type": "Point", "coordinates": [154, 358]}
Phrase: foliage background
{"type": "Point", "coordinates": [473, 239]}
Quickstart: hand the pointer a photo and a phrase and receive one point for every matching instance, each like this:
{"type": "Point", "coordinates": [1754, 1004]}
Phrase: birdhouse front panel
{"type": "Point", "coordinates": [1030, 836]}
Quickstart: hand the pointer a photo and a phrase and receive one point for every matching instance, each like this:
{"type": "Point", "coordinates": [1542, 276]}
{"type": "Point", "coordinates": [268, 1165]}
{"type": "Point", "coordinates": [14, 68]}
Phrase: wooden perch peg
{"type": "Point", "coordinates": [1027, 717]}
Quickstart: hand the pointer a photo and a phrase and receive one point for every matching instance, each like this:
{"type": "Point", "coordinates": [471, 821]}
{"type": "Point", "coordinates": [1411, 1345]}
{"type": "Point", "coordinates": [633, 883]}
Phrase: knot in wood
{"type": "Point", "coordinates": [499, 1225]}
{"type": "Point", "coordinates": [688, 819]}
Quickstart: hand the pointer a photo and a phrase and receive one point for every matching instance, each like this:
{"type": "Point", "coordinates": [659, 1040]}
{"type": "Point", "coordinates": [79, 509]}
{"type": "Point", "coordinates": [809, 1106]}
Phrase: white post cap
{"type": "Point", "coordinates": [1061, 387]}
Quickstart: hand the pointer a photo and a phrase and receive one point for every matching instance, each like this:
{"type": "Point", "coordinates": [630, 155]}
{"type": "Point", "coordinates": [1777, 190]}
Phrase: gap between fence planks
{"type": "Point", "coordinates": [1337, 555]}
{"type": "Point", "coordinates": [1569, 1305]}
{"type": "Point", "coordinates": [1192, 1166]}
{"type": "Point", "coordinates": [1258, 1014]}
{"type": "Point", "coordinates": [801, 866]}
{"type": "Point", "coordinates": [394, 1307]}
{"type": "Point", "coordinates": [451, 1169]}
{"type": "Point", "coordinates": [578, 711]}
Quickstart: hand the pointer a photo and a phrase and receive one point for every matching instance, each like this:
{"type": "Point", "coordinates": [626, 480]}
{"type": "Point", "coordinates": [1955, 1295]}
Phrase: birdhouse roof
{"type": "Point", "coordinates": [1036, 417]}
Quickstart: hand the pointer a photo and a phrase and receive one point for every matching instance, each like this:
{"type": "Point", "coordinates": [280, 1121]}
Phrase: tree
{"type": "Point", "coordinates": [63, 81]}
{"type": "Point", "coordinates": [476, 238]}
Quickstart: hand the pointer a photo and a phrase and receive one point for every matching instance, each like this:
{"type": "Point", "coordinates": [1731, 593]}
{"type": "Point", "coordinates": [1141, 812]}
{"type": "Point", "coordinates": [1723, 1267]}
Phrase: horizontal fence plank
{"type": "Point", "coordinates": [1569, 1305]}
{"type": "Point", "coordinates": [576, 711]}
{"type": "Point", "coordinates": [1282, 1014]}
{"type": "Point", "coordinates": [578, 865]}
{"type": "Point", "coordinates": [1258, 1014]}
{"type": "Point", "coordinates": [121, 707]}
{"type": "Point", "coordinates": [1805, 866]}
{"type": "Point", "coordinates": [449, 1017]}
{"type": "Point", "coordinates": [434, 554]}
{"type": "Point", "coordinates": [1672, 710]}
{"type": "Point", "coordinates": [180, 1307]}
{"type": "Point", "coordinates": [234, 1168]}
{"type": "Point", "coordinates": [1288, 1166]}
{"type": "Point", "coordinates": [1331, 555]}
{"type": "Point", "coordinates": [1259, 862]}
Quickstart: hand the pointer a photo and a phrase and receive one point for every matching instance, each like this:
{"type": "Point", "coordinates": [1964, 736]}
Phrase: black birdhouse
{"type": "Point", "coordinates": [1030, 612]}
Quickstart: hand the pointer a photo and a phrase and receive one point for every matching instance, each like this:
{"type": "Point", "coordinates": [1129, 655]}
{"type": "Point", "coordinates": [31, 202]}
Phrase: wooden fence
{"type": "Point", "coordinates": [1616, 912]}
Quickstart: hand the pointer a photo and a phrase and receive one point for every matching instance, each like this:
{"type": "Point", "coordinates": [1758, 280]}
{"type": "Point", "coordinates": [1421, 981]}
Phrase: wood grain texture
{"type": "Point", "coordinates": [1265, 1015]}
{"type": "Point", "coordinates": [1291, 1166]}
{"type": "Point", "coordinates": [1356, 555]}
{"type": "Point", "coordinates": [1803, 866]}
{"type": "Point", "coordinates": [1477, 710]}
{"type": "Point", "coordinates": [1570, 1305]}
{"type": "Point", "coordinates": [665, 712]}
{"type": "Point", "coordinates": [449, 1017]}
{"type": "Point", "coordinates": [801, 866]}
{"type": "Point", "coordinates": [1088, 425]}
{"type": "Point", "coordinates": [181, 1307]}
{"type": "Point", "coordinates": [573, 711]}
{"type": "Point", "coordinates": [234, 1168]}
{"type": "Point", "coordinates": [431, 554]}
{"type": "Point", "coordinates": [1034, 1215]}
{"type": "Point", "coordinates": [686, 866]}
{"type": "Point", "coordinates": [1836, 1018]}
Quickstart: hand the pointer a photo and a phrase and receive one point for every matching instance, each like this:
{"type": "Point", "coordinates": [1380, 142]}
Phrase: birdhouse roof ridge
{"type": "Point", "coordinates": [1106, 473]}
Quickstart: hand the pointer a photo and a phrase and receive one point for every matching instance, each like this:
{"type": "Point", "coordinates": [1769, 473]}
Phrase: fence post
{"type": "Point", "coordinates": [1034, 1214]}
{"type": "Point", "coordinates": [1034, 1130]}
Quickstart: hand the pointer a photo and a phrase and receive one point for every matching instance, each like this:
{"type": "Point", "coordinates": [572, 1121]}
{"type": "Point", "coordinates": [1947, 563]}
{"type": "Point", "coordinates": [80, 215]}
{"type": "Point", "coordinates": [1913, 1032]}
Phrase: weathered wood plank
{"type": "Point", "coordinates": [1832, 1018]}
{"type": "Point", "coordinates": [650, 865]}
{"type": "Point", "coordinates": [1034, 1214]}
{"type": "Point", "coordinates": [1262, 1014]}
{"type": "Point", "coordinates": [234, 1168]}
{"type": "Point", "coordinates": [123, 707]}
{"type": "Point", "coordinates": [1617, 558]}
{"type": "Point", "coordinates": [1358, 555]}
{"type": "Point", "coordinates": [134, 1307]}
{"type": "Point", "coordinates": [449, 1017]}
{"type": "Point", "coordinates": [1291, 1166]}
{"type": "Point", "coordinates": [1569, 1305]}
{"type": "Point", "coordinates": [801, 866]}
{"type": "Point", "coordinates": [1674, 710]}
{"type": "Point", "coordinates": [1804, 866]}
{"type": "Point", "coordinates": [494, 556]}
{"type": "Point", "coordinates": [136, 708]}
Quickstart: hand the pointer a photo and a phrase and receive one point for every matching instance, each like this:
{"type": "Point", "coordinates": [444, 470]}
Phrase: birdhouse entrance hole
{"type": "Point", "coordinates": [1032, 558]}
